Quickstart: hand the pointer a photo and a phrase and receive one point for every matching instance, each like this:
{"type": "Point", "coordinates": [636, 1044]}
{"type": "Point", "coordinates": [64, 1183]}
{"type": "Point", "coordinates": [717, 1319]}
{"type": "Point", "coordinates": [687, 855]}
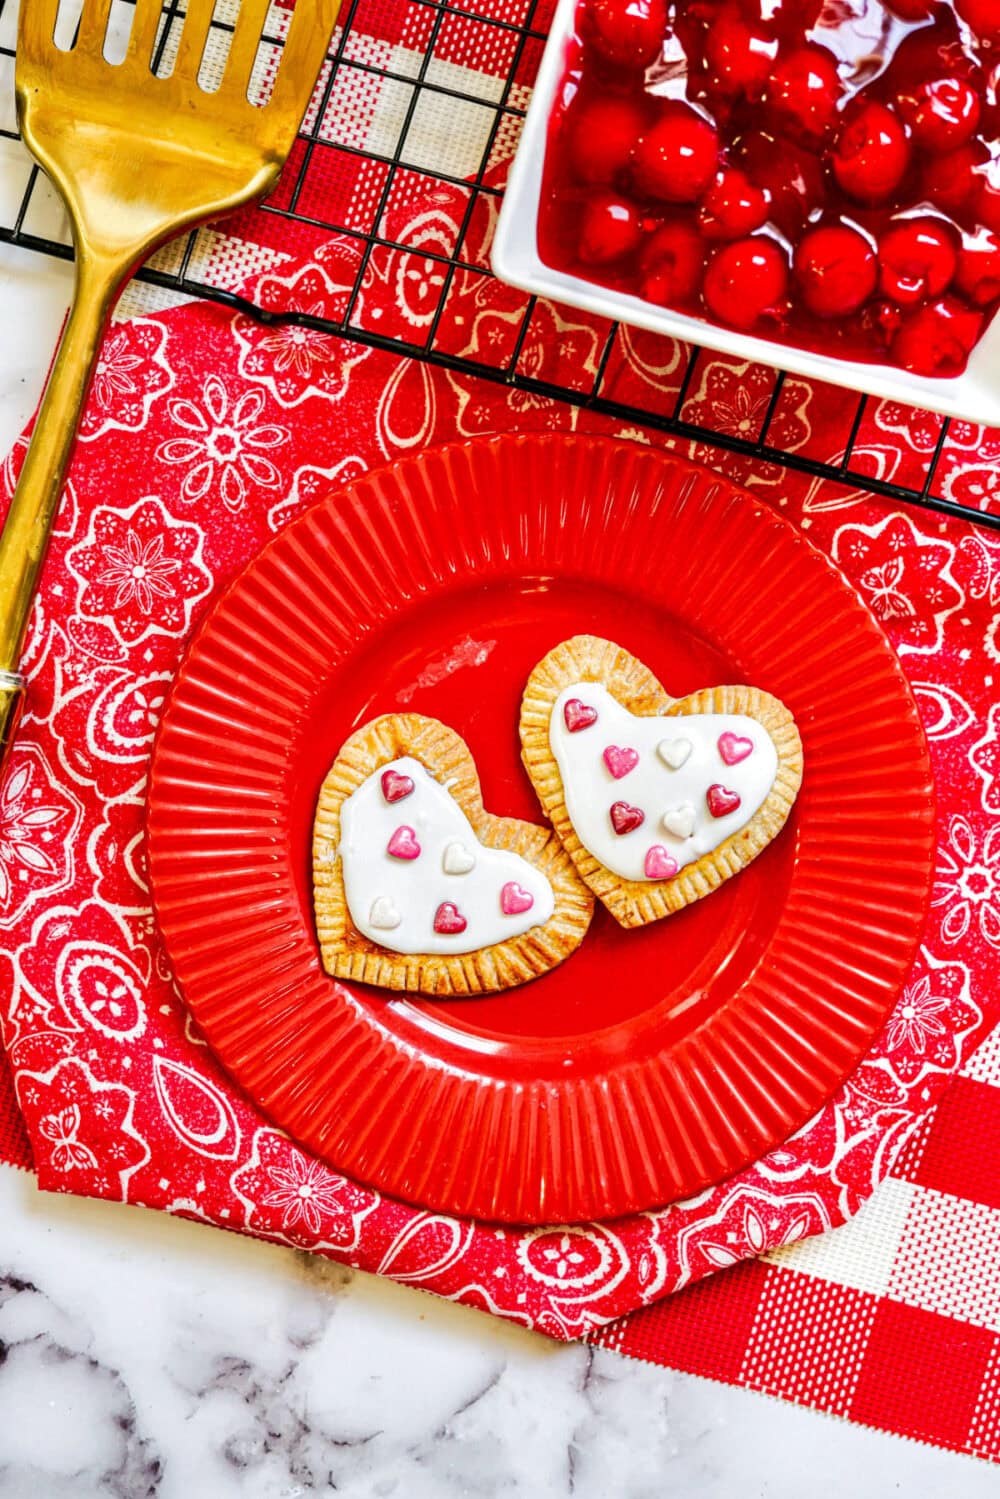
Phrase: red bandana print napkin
{"type": "Point", "coordinates": [205, 433]}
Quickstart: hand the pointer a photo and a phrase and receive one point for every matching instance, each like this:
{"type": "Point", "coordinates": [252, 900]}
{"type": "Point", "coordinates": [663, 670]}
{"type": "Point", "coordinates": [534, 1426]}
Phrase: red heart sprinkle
{"type": "Point", "coordinates": [395, 786]}
{"type": "Point", "coordinates": [660, 863]}
{"type": "Point", "coordinates": [448, 919]}
{"type": "Point", "coordinates": [578, 715]}
{"type": "Point", "coordinates": [403, 844]}
{"type": "Point", "coordinates": [620, 761]}
{"type": "Point", "coordinates": [733, 749]}
{"type": "Point", "coordinates": [721, 801]}
{"type": "Point", "coordinates": [625, 819]}
{"type": "Point", "coordinates": [514, 899]}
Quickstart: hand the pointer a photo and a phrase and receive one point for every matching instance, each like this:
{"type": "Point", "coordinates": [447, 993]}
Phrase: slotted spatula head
{"type": "Point", "coordinates": [139, 157]}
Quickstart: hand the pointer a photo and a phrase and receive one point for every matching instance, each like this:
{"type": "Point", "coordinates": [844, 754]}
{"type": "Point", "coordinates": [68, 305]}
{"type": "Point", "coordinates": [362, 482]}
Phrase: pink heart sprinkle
{"type": "Point", "coordinates": [625, 819]}
{"type": "Point", "coordinates": [733, 749]}
{"type": "Point", "coordinates": [448, 919]}
{"type": "Point", "coordinates": [660, 863]}
{"type": "Point", "coordinates": [721, 801]}
{"type": "Point", "coordinates": [403, 844]}
{"type": "Point", "coordinates": [578, 715]}
{"type": "Point", "coordinates": [514, 899]}
{"type": "Point", "coordinates": [620, 761]}
{"type": "Point", "coordinates": [395, 786]}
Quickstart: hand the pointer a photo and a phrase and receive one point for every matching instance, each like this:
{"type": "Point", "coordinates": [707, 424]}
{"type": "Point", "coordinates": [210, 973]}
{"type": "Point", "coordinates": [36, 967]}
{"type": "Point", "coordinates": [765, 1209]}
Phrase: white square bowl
{"type": "Point", "coordinates": [973, 396]}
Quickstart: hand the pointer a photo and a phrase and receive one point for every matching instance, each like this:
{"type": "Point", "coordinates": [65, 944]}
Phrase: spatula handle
{"type": "Point", "coordinates": [25, 536]}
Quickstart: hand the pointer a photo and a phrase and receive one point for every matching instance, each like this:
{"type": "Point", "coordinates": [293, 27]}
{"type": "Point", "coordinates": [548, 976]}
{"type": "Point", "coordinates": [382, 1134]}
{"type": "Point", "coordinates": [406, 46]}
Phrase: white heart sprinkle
{"type": "Point", "coordinates": [383, 914]}
{"type": "Point", "coordinates": [458, 859]}
{"type": "Point", "coordinates": [680, 820]}
{"type": "Point", "coordinates": [674, 751]}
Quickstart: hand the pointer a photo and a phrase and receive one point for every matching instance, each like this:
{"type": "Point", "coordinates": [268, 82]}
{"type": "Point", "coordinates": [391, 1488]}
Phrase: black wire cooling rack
{"type": "Point", "coordinates": [415, 72]}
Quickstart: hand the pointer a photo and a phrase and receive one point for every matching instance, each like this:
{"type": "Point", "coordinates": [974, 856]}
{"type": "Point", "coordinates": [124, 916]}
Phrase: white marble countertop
{"type": "Point", "coordinates": [142, 1356]}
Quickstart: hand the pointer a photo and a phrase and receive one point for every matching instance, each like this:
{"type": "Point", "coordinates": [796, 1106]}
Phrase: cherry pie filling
{"type": "Point", "coordinates": [824, 173]}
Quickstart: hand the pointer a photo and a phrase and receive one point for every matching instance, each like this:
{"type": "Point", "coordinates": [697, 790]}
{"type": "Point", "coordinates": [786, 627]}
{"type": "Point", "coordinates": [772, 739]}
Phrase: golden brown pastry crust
{"type": "Point", "coordinates": [587, 658]}
{"type": "Point", "coordinates": [348, 954]}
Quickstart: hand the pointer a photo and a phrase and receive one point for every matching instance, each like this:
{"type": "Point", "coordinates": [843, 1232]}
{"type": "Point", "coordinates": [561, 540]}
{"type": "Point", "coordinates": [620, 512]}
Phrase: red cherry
{"type": "Point", "coordinates": [941, 114]}
{"type": "Point", "coordinates": [882, 320]}
{"type": "Point", "coordinates": [791, 177]}
{"type": "Point", "coordinates": [733, 207]}
{"type": "Point", "coordinates": [949, 180]}
{"type": "Point", "coordinates": [989, 116]}
{"type": "Point", "coordinates": [930, 52]}
{"type": "Point", "coordinates": [912, 10]}
{"type": "Point", "coordinates": [745, 280]}
{"type": "Point", "coordinates": [985, 202]}
{"type": "Point", "coordinates": [601, 137]}
{"type": "Point", "coordinates": [672, 261]}
{"type": "Point", "coordinates": [937, 339]}
{"type": "Point", "coordinates": [627, 32]}
{"type": "Point", "coordinates": [609, 229]}
{"type": "Point", "coordinates": [676, 160]}
{"type": "Point", "coordinates": [871, 154]}
{"type": "Point", "coordinates": [982, 16]}
{"type": "Point", "coordinates": [739, 55]}
{"type": "Point", "coordinates": [836, 269]}
{"type": "Point", "coordinates": [978, 273]}
{"type": "Point", "coordinates": [918, 258]}
{"type": "Point", "coordinates": [804, 89]}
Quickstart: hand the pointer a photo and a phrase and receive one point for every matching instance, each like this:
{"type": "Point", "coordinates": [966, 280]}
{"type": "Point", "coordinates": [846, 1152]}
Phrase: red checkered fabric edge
{"type": "Point", "coordinates": [892, 1321]}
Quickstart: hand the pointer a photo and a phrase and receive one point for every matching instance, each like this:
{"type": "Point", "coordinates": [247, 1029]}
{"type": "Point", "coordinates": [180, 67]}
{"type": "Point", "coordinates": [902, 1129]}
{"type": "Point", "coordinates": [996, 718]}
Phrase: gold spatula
{"type": "Point", "coordinates": [136, 158]}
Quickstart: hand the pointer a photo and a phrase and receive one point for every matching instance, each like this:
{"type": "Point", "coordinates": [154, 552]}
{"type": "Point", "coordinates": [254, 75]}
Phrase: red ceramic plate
{"type": "Point", "coordinates": [653, 1062]}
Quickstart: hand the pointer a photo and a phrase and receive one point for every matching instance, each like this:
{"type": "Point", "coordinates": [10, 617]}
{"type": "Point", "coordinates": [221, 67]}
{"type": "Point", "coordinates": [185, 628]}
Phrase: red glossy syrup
{"type": "Point", "coordinates": [825, 175]}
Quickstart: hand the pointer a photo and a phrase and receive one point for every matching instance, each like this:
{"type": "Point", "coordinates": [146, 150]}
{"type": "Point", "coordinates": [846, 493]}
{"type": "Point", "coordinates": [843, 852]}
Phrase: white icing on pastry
{"type": "Point", "coordinates": [416, 904]}
{"type": "Point", "coordinates": [676, 800]}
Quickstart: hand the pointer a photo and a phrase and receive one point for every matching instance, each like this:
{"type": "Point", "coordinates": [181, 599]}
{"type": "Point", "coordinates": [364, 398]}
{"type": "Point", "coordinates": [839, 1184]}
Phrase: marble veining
{"type": "Point", "coordinates": [143, 1357]}
{"type": "Point", "coordinates": [148, 1358]}
{"type": "Point", "coordinates": [47, 1353]}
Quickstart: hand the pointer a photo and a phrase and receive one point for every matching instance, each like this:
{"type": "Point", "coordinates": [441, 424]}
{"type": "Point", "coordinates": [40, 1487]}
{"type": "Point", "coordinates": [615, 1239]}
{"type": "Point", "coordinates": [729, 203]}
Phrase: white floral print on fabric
{"type": "Point", "coordinates": [904, 576]}
{"type": "Point", "coordinates": [968, 881]}
{"type": "Point", "coordinates": [227, 447]}
{"type": "Point", "coordinates": [140, 571]}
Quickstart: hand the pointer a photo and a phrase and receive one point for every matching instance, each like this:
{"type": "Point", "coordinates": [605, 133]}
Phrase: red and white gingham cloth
{"type": "Point", "coordinates": [894, 1320]}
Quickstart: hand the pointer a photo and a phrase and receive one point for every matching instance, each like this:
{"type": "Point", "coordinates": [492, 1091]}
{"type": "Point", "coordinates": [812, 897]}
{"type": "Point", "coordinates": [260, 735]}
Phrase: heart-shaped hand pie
{"type": "Point", "coordinates": [656, 801]}
{"type": "Point", "coordinates": [418, 887]}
